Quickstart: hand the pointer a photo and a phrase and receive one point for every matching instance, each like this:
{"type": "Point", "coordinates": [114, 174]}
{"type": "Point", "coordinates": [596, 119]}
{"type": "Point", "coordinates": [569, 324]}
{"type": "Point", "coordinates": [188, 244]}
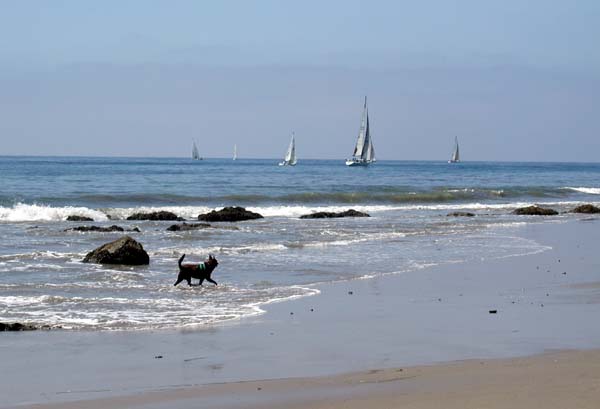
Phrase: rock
{"type": "Point", "coordinates": [121, 251]}
{"type": "Point", "coordinates": [461, 214]}
{"type": "Point", "coordinates": [17, 326]}
{"type": "Point", "coordinates": [586, 208]}
{"type": "Point", "coordinates": [493, 311]}
{"type": "Point", "coordinates": [101, 229]}
{"type": "Point", "coordinates": [76, 218]}
{"type": "Point", "coordinates": [162, 215]}
{"type": "Point", "coordinates": [535, 211]}
{"type": "Point", "coordinates": [229, 214]}
{"type": "Point", "coordinates": [326, 215]}
{"type": "Point", "coordinates": [188, 226]}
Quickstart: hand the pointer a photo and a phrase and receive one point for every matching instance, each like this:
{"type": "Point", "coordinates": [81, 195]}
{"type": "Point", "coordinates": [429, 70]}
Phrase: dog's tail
{"type": "Point", "coordinates": [180, 260]}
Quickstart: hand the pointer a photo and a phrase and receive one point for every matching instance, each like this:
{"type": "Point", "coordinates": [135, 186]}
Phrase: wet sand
{"type": "Point", "coordinates": [567, 379]}
{"type": "Point", "coordinates": [317, 350]}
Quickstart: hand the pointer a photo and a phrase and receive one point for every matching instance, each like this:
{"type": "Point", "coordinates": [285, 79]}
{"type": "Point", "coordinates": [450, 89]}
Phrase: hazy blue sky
{"type": "Point", "coordinates": [515, 80]}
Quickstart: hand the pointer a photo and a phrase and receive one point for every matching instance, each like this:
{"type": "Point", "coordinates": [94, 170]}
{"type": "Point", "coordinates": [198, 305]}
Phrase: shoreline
{"type": "Point", "coordinates": [431, 316]}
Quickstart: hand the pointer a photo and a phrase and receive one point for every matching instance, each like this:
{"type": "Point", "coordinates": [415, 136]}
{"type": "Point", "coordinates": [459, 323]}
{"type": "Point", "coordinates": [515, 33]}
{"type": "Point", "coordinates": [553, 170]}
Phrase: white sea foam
{"type": "Point", "coordinates": [297, 211]}
{"type": "Point", "coordinates": [27, 213]}
{"type": "Point", "coordinates": [181, 307]}
{"type": "Point", "coordinates": [21, 212]}
{"type": "Point", "coordinates": [588, 190]}
{"type": "Point", "coordinates": [187, 212]}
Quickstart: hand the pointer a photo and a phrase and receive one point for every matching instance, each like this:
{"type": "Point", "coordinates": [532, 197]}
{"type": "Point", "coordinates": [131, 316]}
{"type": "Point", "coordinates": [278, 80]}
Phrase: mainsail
{"type": "Point", "coordinates": [290, 155]}
{"type": "Point", "coordinates": [364, 152]}
{"type": "Point", "coordinates": [455, 153]}
{"type": "Point", "coordinates": [234, 152]}
{"type": "Point", "coordinates": [195, 154]}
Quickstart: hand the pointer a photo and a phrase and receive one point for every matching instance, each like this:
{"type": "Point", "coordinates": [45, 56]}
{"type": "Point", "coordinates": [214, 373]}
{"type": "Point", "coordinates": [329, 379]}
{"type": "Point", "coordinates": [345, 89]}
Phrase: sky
{"type": "Point", "coordinates": [514, 80]}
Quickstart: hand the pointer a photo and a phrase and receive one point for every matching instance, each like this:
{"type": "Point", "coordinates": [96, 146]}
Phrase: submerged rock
{"type": "Point", "coordinates": [586, 208]}
{"type": "Point", "coordinates": [162, 215]}
{"type": "Point", "coordinates": [229, 214]}
{"type": "Point", "coordinates": [16, 326]}
{"type": "Point", "coordinates": [121, 251]}
{"type": "Point", "coordinates": [535, 211]}
{"type": "Point", "coordinates": [327, 215]}
{"type": "Point", "coordinates": [76, 218]}
{"type": "Point", "coordinates": [101, 229]}
{"type": "Point", "coordinates": [461, 214]}
{"type": "Point", "coordinates": [188, 226]}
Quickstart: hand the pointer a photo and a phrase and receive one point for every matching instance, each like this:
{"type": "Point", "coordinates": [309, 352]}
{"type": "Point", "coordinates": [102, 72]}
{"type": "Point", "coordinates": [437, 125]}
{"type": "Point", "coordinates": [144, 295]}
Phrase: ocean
{"type": "Point", "coordinates": [278, 258]}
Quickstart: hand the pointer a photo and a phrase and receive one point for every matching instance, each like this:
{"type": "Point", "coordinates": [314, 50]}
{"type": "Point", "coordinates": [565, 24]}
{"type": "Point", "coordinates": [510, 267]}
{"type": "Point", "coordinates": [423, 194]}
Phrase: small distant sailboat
{"type": "Point", "coordinates": [235, 152]}
{"type": "Point", "coordinates": [195, 154]}
{"type": "Point", "coordinates": [364, 152]}
{"type": "Point", "coordinates": [455, 154]}
{"type": "Point", "coordinates": [290, 155]}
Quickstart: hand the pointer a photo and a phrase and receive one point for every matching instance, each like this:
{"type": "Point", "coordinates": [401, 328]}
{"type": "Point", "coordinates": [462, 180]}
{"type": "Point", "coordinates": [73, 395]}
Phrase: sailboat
{"type": "Point", "coordinates": [235, 152]}
{"type": "Point", "coordinates": [364, 152]}
{"type": "Point", "coordinates": [195, 154]}
{"type": "Point", "coordinates": [455, 154]}
{"type": "Point", "coordinates": [290, 155]}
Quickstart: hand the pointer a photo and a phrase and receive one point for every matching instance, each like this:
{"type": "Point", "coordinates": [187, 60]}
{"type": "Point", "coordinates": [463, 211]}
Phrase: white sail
{"type": "Point", "coordinates": [235, 152]}
{"type": "Point", "coordinates": [364, 152]}
{"type": "Point", "coordinates": [455, 154]}
{"type": "Point", "coordinates": [371, 152]}
{"type": "Point", "coordinates": [195, 154]}
{"type": "Point", "coordinates": [290, 155]}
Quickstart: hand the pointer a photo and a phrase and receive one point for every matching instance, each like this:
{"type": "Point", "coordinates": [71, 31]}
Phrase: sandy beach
{"type": "Point", "coordinates": [567, 379]}
{"type": "Point", "coordinates": [423, 339]}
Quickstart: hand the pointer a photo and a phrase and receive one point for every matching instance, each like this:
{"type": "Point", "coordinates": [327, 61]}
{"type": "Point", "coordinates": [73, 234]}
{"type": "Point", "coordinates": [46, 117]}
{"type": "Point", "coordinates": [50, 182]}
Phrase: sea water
{"type": "Point", "coordinates": [280, 257]}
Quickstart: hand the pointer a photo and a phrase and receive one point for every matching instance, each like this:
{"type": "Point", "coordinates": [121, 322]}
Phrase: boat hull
{"type": "Point", "coordinates": [352, 162]}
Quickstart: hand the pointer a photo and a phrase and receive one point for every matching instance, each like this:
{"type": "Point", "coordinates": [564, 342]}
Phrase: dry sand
{"type": "Point", "coordinates": [566, 379]}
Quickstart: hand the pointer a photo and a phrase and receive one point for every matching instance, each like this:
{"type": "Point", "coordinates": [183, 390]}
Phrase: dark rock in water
{"type": "Point", "coordinates": [17, 326]}
{"type": "Point", "coordinates": [461, 214]}
{"type": "Point", "coordinates": [586, 208]}
{"type": "Point", "coordinates": [162, 215]}
{"type": "Point", "coordinates": [75, 218]}
{"type": "Point", "coordinates": [493, 311]}
{"type": "Point", "coordinates": [121, 251]}
{"type": "Point", "coordinates": [188, 226]}
{"type": "Point", "coordinates": [535, 211]}
{"type": "Point", "coordinates": [229, 214]}
{"type": "Point", "coordinates": [327, 215]}
{"type": "Point", "coordinates": [96, 228]}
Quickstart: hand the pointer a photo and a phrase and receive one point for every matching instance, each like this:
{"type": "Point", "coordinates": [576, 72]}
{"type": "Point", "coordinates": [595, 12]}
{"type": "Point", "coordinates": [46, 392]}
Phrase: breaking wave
{"type": "Point", "coordinates": [587, 190]}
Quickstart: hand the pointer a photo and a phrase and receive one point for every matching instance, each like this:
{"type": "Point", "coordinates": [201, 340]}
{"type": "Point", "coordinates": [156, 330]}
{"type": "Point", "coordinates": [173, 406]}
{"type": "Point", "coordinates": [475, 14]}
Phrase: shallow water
{"type": "Point", "coordinates": [43, 281]}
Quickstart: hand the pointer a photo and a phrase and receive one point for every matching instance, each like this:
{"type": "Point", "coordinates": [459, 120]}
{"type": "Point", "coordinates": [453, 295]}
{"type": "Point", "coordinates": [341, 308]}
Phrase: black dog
{"type": "Point", "coordinates": [200, 271]}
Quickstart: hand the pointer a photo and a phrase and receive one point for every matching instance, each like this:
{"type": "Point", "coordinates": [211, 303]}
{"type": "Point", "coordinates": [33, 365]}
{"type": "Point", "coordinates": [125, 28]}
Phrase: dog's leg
{"type": "Point", "coordinates": [179, 279]}
{"type": "Point", "coordinates": [201, 281]}
{"type": "Point", "coordinates": [189, 281]}
{"type": "Point", "coordinates": [210, 280]}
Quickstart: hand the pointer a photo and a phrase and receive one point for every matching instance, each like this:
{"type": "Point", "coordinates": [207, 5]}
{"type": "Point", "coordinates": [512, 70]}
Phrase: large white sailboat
{"type": "Point", "coordinates": [290, 155]}
{"type": "Point", "coordinates": [364, 152]}
{"type": "Point", "coordinates": [195, 154]}
{"type": "Point", "coordinates": [235, 152]}
{"type": "Point", "coordinates": [455, 154]}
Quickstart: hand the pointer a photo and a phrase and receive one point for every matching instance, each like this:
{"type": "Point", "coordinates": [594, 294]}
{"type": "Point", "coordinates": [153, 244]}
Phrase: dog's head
{"type": "Point", "coordinates": [211, 261]}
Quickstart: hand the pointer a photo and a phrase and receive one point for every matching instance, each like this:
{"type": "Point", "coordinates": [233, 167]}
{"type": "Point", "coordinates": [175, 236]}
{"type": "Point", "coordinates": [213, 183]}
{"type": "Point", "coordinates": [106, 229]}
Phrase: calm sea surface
{"type": "Point", "coordinates": [42, 279]}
